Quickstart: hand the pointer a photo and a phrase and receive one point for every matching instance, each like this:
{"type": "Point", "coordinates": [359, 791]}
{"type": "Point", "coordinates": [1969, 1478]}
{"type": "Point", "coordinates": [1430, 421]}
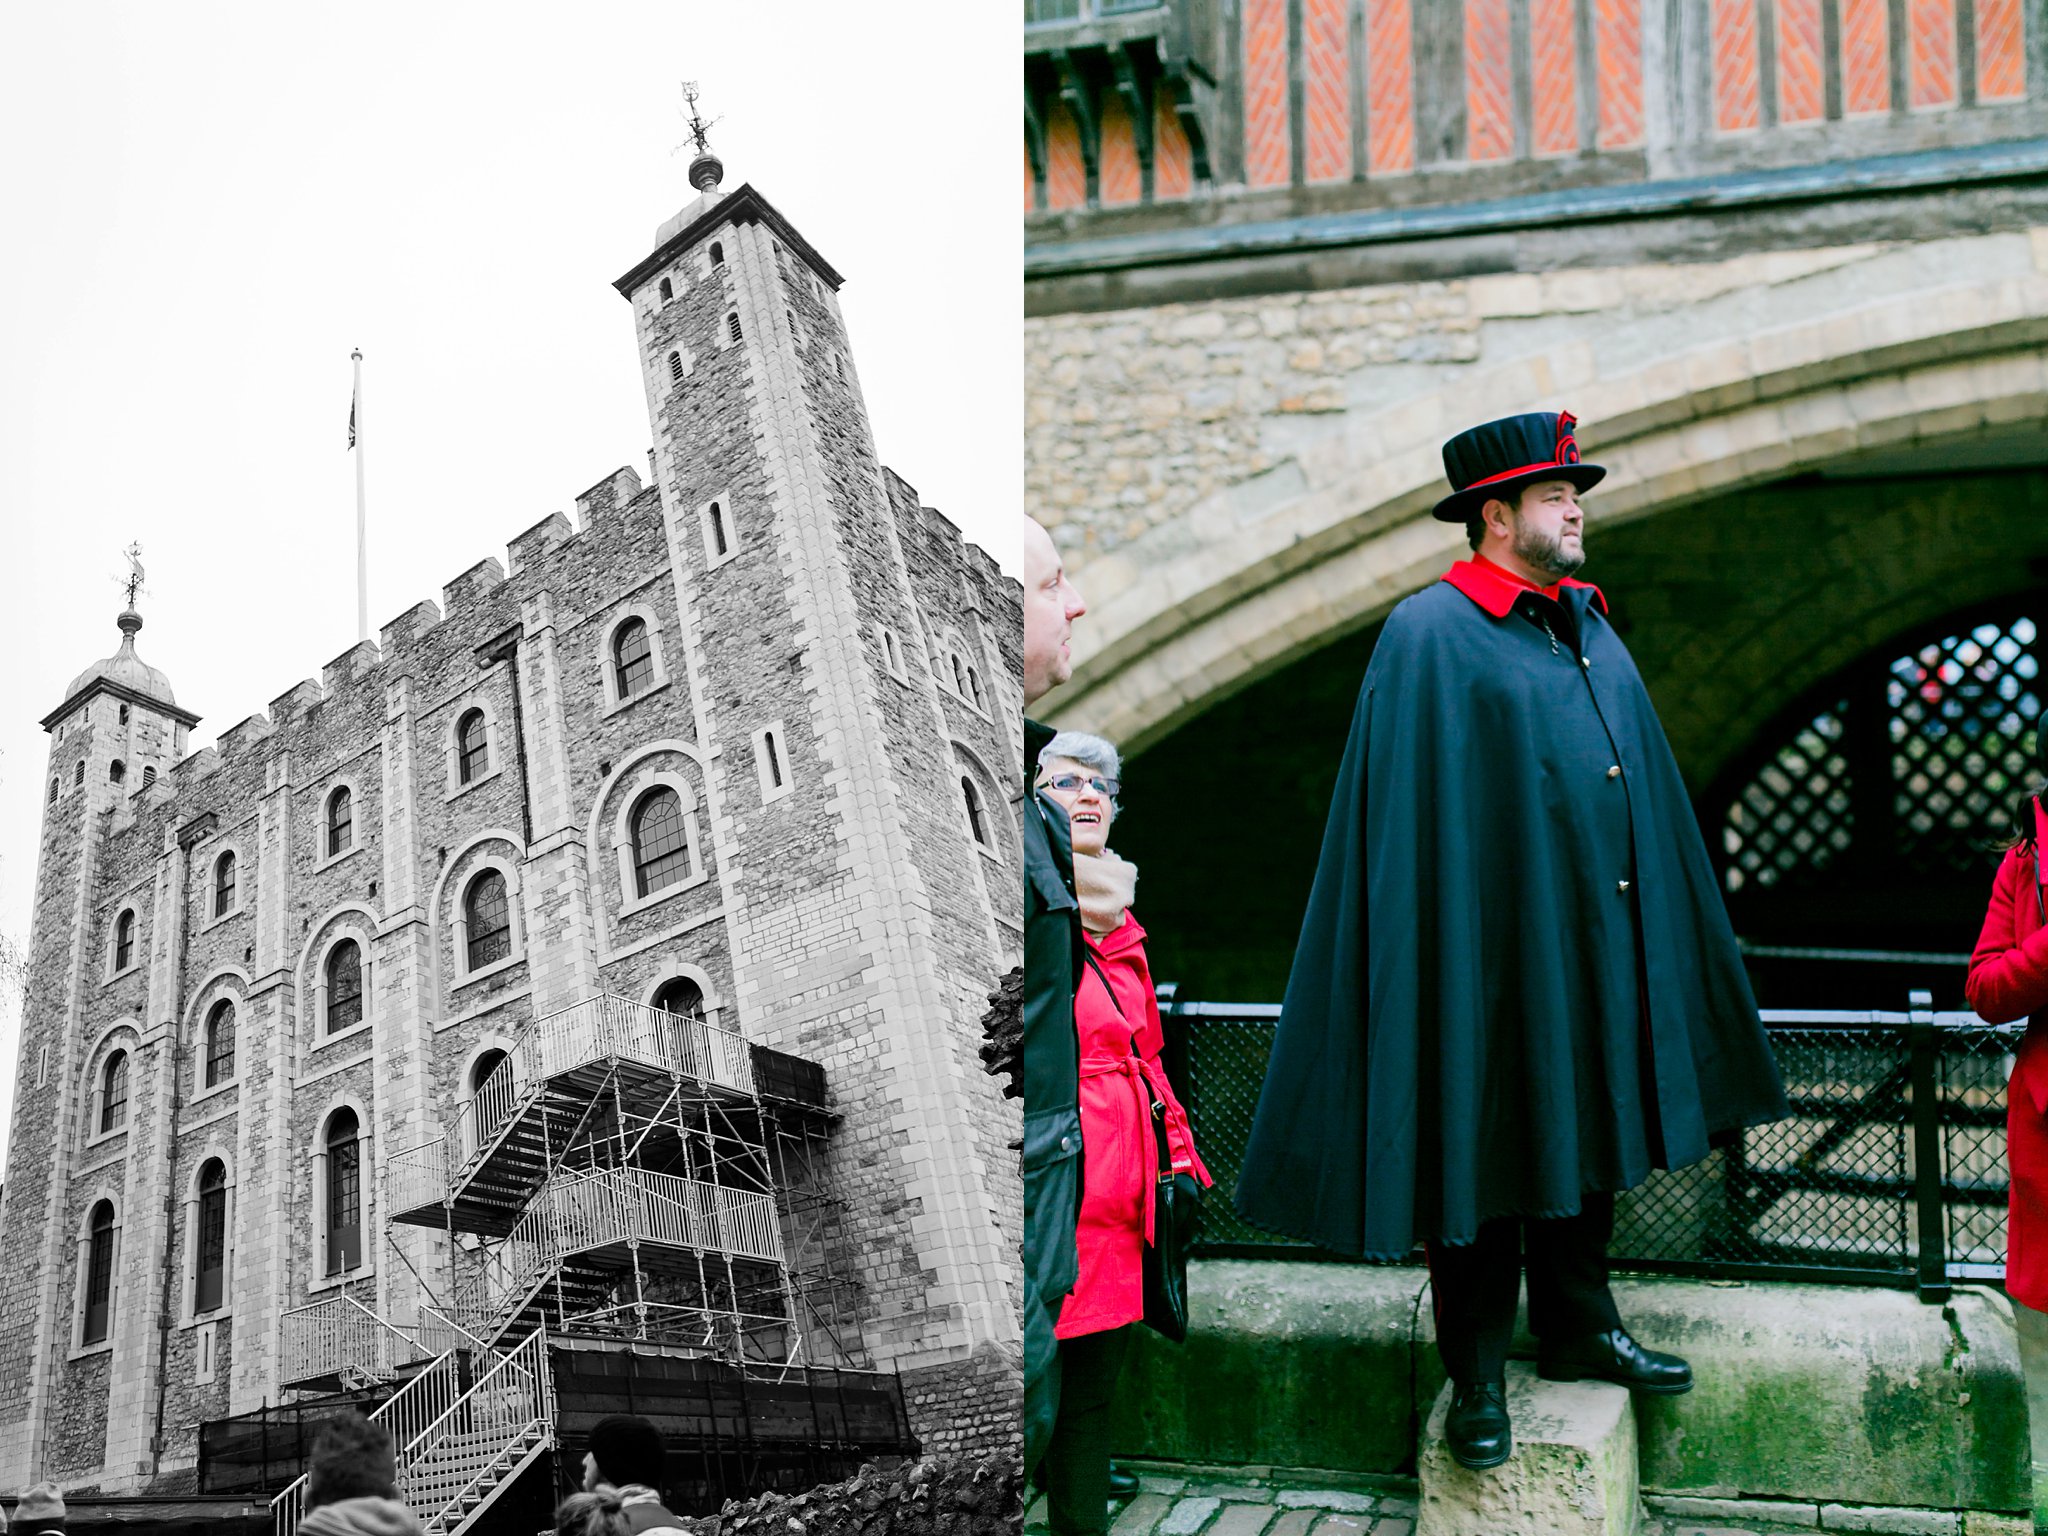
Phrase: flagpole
{"type": "Point", "coordinates": [362, 536]}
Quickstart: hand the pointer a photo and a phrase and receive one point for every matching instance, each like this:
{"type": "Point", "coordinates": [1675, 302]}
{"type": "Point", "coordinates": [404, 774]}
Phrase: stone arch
{"type": "Point", "coordinates": [1239, 591]}
{"type": "Point", "coordinates": [350, 920]}
{"type": "Point", "coordinates": [679, 970]}
{"type": "Point", "coordinates": [608, 832]}
{"type": "Point", "coordinates": [226, 981]}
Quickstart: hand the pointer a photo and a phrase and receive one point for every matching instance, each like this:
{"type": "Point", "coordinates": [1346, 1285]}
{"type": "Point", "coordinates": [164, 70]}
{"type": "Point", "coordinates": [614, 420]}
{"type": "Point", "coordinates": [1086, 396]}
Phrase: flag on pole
{"type": "Point", "coordinates": [352, 418]}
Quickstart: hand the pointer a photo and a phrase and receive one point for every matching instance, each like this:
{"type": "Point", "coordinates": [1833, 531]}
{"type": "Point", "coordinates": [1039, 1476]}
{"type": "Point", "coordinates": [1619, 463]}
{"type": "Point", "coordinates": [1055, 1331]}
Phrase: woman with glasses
{"type": "Point", "coordinates": [1117, 1019]}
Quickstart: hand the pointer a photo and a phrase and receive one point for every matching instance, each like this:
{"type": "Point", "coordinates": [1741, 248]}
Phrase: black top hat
{"type": "Point", "coordinates": [1498, 458]}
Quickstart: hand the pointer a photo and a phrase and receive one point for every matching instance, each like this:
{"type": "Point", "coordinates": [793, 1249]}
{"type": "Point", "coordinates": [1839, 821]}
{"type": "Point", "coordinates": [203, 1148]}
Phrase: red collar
{"type": "Point", "coordinates": [1495, 588]}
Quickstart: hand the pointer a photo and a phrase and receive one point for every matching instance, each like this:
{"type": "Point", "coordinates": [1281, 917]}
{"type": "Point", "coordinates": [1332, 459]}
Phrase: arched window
{"type": "Point", "coordinates": [717, 254]}
{"type": "Point", "coordinates": [117, 771]}
{"type": "Point", "coordinates": [661, 845]}
{"type": "Point", "coordinates": [719, 543]}
{"type": "Point", "coordinates": [124, 940]}
{"type": "Point", "coordinates": [959, 676]}
{"type": "Point", "coordinates": [977, 818]}
{"type": "Point", "coordinates": [732, 325]}
{"type": "Point", "coordinates": [489, 920]}
{"type": "Point", "coordinates": [472, 748]}
{"type": "Point", "coordinates": [53, 792]}
{"type": "Point", "coordinates": [632, 658]}
{"type": "Point", "coordinates": [99, 1275]}
{"type": "Point", "coordinates": [224, 884]}
{"type": "Point", "coordinates": [114, 1092]}
{"type": "Point", "coordinates": [78, 776]}
{"type": "Point", "coordinates": [675, 367]}
{"type": "Point", "coordinates": [211, 1240]}
{"type": "Point", "coordinates": [487, 1102]}
{"type": "Point", "coordinates": [681, 996]}
{"type": "Point", "coordinates": [892, 653]}
{"type": "Point", "coordinates": [148, 775]}
{"type": "Point", "coordinates": [341, 821]}
{"type": "Point", "coordinates": [344, 1190]}
{"type": "Point", "coordinates": [974, 689]}
{"type": "Point", "coordinates": [668, 290]}
{"type": "Point", "coordinates": [344, 986]}
{"type": "Point", "coordinates": [220, 1043]}
{"type": "Point", "coordinates": [124, 714]}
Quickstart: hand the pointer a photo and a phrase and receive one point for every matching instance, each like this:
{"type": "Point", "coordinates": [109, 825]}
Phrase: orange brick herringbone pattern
{"type": "Point", "coordinates": [1326, 99]}
{"type": "Point", "coordinates": [1173, 158]}
{"type": "Point", "coordinates": [1553, 77]}
{"type": "Point", "coordinates": [1618, 46]}
{"type": "Point", "coordinates": [1866, 57]}
{"type": "Point", "coordinates": [1118, 181]}
{"type": "Point", "coordinates": [1266, 144]}
{"type": "Point", "coordinates": [2001, 57]}
{"type": "Point", "coordinates": [1932, 68]}
{"type": "Point", "coordinates": [1389, 87]}
{"type": "Point", "coordinates": [1736, 106]}
{"type": "Point", "coordinates": [1801, 94]}
{"type": "Point", "coordinates": [1066, 175]}
{"type": "Point", "coordinates": [1489, 93]}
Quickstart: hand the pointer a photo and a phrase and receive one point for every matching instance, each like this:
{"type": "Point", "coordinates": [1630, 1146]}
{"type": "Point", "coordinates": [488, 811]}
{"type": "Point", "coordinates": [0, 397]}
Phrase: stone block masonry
{"type": "Point", "coordinates": [314, 878]}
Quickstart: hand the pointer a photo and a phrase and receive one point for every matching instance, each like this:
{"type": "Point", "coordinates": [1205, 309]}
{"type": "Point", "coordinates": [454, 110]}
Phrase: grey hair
{"type": "Point", "coordinates": [1090, 751]}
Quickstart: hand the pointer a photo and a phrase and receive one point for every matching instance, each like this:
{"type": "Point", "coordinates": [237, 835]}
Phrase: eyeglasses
{"type": "Point", "coordinates": [1070, 783]}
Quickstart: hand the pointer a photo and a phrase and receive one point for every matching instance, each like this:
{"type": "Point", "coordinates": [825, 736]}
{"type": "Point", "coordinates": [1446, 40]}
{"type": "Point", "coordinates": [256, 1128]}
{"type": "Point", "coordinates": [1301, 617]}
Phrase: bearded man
{"type": "Point", "coordinates": [1516, 991]}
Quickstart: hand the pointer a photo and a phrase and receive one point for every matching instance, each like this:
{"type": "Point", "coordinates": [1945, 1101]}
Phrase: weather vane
{"type": "Point", "coordinates": [699, 129]}
{"type": "Point", "coordinates": [133, 580]}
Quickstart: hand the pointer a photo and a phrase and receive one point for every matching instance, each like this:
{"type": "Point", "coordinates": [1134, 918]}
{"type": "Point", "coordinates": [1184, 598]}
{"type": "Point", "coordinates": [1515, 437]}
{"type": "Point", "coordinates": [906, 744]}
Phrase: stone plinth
{"type": "Point", "coordinates": [1573, 1472]}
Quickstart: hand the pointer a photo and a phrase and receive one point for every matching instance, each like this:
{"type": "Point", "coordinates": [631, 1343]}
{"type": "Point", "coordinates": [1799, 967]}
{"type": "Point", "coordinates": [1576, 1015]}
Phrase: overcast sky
{"type": "Point", "coordinates": [208, 206]}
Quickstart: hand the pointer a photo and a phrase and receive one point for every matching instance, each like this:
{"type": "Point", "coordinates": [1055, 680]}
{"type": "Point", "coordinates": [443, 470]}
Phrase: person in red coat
{"type": "Point", "coordinates": [1117, 1019]}
{"type": "Point", "coordinates": [2009, 980]}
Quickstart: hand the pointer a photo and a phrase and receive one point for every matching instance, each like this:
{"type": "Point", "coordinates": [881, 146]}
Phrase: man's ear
{"type": "Point", "coordinates": [1498, 515]}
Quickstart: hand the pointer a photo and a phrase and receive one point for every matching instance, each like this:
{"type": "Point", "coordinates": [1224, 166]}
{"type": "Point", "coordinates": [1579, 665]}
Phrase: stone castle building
{"type": "Point", "coordinates": [600, 951]}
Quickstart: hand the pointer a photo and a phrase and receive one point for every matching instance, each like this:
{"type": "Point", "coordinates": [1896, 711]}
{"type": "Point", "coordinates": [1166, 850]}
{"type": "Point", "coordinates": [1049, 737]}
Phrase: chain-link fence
{"type": "Point", "coordinates": [1889, 1171]}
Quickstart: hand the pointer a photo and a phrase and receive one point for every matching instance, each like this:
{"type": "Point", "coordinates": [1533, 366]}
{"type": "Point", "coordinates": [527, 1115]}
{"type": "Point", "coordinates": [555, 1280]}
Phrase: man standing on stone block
{"type": "Point", "coordinates": [1516, 990]}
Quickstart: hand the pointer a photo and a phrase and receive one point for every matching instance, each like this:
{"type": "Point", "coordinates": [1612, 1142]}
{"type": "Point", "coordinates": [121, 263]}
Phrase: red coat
{"type": "Point", "coordinates": [1120, 1071]}
{"type": "Point", "coordinates": [2008, 981]}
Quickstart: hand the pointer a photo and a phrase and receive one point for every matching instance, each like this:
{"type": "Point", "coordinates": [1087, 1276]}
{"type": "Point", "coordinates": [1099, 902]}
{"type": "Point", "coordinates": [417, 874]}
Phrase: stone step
{"type": "Point", "coordinates": [1573, 1471]}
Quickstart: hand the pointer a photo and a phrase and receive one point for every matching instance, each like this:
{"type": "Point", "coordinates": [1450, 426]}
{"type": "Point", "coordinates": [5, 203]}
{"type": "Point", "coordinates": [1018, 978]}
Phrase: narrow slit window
{"type": "Point", "coordinates": [344, 1193]}
{"type": "Point", "coordinates": [114, 1092]}
{"type": "Point", "coordinates": [668, 290]}
{"type": "Point", "coordinates": [675, 367]}
{"type": "Point", "coordinates": [790, 316]}
{"type": "Point", "coordinates": [117, 770]}
{"type": "Point", "coordinates": [79, 776]}
{"type": "Point", "coordinates": [732, 324]}
{"type": "Point", "coordinates": [977, 818]}
{"type": "Point", "coordinates": [99, 1276]}
{"type": "Point", "coordinates": [718, 540]}
{"type": "Point", "coordinates": [224, 885]}
{"type": "Point", "coordinates": [53, 792]}
{"type": "Point", "coordinates": [124, 940]}
{"type": "Point", "coordinates": [341, 824]}
{"type": "Point", "coordinates": [774, 760]}
{"type": "Point", "coordinates": [208, 1287]}
{"type": "Point", "coordinates": [148, 775]}
{"type": "Point", "coordinates": [717, 254]}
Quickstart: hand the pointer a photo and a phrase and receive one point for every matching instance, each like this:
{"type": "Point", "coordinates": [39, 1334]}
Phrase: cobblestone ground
{"type": "Point", "coordinates": [1180, 1499]}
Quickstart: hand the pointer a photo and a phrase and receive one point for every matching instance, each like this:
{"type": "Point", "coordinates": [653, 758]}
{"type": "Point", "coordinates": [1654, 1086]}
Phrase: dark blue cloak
{"type": "Point", "coordinates": [1516, 981]}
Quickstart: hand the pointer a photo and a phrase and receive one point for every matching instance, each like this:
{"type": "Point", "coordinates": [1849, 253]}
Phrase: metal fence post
{"type": "Point", "coordinates": [1928, 1178]}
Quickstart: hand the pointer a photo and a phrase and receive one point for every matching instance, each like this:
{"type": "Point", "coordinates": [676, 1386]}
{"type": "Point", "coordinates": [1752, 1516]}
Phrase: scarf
{"type": "Point", "coordinates": [1105, 884]}
{"type": "Point", "coordinates": [360, 1517]}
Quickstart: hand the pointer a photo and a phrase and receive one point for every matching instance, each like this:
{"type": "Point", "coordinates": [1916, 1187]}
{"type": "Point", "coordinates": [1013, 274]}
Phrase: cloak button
{"type": "Point", "coordinates": [1067, 1142]}
{"type": "Point", "coordinates": [1614, 770]}
{"type": "Point", "coordinates": [1621, 886]}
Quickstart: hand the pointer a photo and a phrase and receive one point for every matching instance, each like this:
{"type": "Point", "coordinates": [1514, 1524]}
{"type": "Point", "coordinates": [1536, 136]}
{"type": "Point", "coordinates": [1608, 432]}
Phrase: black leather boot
{"type": "Point", "coordinates": [1122, 1485]}
{"type": "Point", "coordinates": [1476, 1429]}
{"type": "Point", "coordinates": [1613, 1357]}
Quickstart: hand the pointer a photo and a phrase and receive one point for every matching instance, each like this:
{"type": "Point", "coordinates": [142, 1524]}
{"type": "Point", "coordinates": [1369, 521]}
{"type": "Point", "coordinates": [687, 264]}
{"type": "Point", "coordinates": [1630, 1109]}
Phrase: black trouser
{"type": "Point", "coordinates": [1077, 1460]}
{"type": "Point", "coordinates": [1476, 1285]}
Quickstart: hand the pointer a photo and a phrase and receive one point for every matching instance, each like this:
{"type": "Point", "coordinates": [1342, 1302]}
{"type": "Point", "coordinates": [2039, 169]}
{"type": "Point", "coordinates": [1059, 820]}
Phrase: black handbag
{"type": "Point", "coordinates": [1176, 1214]}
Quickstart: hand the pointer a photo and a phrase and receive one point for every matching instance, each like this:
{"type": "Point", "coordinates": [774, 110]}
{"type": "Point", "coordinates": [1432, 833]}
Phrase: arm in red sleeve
{"type": "Point", "coordinates": [1180, 1137]}
{"type": "Point", "coordinates": [2009, 968]}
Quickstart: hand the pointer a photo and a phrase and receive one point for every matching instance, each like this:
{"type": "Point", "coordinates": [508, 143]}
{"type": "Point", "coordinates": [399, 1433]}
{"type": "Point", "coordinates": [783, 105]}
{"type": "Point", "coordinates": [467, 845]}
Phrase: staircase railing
{"type": "Point", "coordinates": [512, 1402]}
{"type": "Point", "coordinates": [422, 1401]}
{"type": "Point", "coordinates": [339, 1331]}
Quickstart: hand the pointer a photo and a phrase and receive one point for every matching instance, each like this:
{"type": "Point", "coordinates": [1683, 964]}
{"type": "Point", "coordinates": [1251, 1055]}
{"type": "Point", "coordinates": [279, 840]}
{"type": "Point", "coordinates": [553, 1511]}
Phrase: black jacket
{"type": "Point", "coordinates": [1516, 981]}
{"type": "Point", "coordinates": [1052, 1079]}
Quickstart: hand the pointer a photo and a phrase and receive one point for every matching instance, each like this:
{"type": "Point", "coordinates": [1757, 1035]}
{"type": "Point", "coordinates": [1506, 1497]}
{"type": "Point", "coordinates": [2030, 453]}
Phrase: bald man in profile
{"type": "Point", "coordinates": [1052, 949]}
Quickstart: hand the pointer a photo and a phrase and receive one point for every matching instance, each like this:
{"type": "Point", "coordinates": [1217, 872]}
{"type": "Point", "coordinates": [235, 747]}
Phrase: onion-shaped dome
{"type": "Point", "coordinates": [125, 668]}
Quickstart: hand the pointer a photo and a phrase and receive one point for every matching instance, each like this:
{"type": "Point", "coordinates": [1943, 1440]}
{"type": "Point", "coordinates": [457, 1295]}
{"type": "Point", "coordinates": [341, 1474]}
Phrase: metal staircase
{"type": "Point", "coordinates": [463, 1429]}
{"type": "Point", "coordinates": [619, 1176]}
